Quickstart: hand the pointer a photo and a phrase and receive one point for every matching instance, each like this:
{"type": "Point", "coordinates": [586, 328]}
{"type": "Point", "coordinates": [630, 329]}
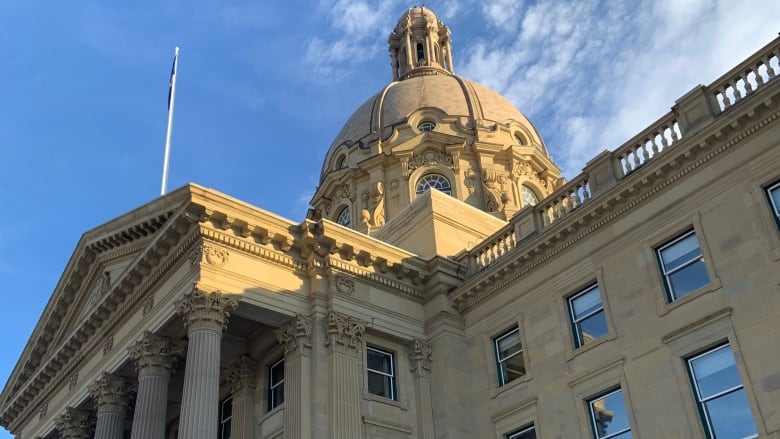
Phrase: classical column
{"type": "Point", "coordinates": [154, 358]}
{"type": "Point", "coordinates": [295, 336]}
{"type": "Point", "coordinates": [420, 364]}
{"type": "Point", "coordinates": [205, 316]}
{"type": "Point", "coordinates": [73, 424]}
{"type": "Point", "coordinates": [111, 394]}
{"type": "Point", "coordinates": [345, 344]}
{"type": "Point", "coordinates": [241, 377]}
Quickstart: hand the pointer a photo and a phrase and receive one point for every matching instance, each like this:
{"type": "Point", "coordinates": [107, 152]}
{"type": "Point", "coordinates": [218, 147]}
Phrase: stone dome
{"type": "Point", "coordinates": [452, 95]}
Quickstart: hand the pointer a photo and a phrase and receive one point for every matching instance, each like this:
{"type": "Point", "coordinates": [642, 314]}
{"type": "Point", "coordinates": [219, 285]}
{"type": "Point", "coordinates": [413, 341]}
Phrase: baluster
{"type": "Point", "coordinates": [675, 133]}
{"type": "Point", "coordinates": [759, 78]}
{"type": "Point", "coordinates": [641, 150]}
{"type": "Point", "coordinates": [577, 199]}
{"type": "Point", "coordinates": [726, 99]}
{"type": "Point", "coordinates": [748, 86]}
{"type": "Point", "coordinates": [735, 86]}
{"type": "Point", "coordinates": [636, 157]}
{"type": "Point", "coordinates": [770, 71]}
{"type": "Point", "coordinates": [585, 192]}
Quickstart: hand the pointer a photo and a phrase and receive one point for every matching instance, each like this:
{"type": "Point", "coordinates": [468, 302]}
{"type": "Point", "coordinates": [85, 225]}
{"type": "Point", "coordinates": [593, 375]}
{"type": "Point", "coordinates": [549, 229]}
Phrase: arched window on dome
{"type": "Point", "coordinates": [433, 181]}
{"type": "Point", "coordinates": [420, 52]}
{"type": "Point", "coordinates": [528, 196]}
{"type": "Point", "coordinates": [344, 217]}
{"type": "Point", "coordinates": [520, 139]}
{"type": "Point", "coordinates": [340, 163]}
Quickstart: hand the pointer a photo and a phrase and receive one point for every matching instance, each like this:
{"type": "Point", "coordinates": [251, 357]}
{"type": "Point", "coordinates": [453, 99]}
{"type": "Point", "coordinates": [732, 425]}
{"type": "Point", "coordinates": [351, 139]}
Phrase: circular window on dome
{"type": "Point", "coordinates": [426, 126]}
{"type": "Point", "coordinates": [435, 181]}
{"type": "Point", "coordinates": [528, 196]}
{"type": "Point", "coordinates": [345, 217]}
{"type": "Point", "coordinates": [519, 139]}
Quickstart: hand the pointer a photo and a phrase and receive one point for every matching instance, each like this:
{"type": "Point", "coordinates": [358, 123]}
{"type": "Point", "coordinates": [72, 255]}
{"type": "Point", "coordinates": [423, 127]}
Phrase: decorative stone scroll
{"type": "Point", "coordinates": [241, 376]}
{"type": "Point", "coordinates": [344, 285]}
{"type": "Point", "coordinates": [74, 424]}
{"type": "Point", "coordinates": [111, 393]}
{"type": "Point", "coordinates": [344, 331]}
{"type": "Point", "coordinates": [493, 187]}
{"type": "Point", "coordinates": [154, 353]}
{"type": "Point", "coordinates": [44, 409]}
{"type": "Point", "coordinates": [108, 345]}
{"type": "Point", "coordinates": [202, 310]}
{"type": "Point", "coordinates": [429, 157]}
{"type": "Point", "coordinates": [295, 335]}
{"type": "Point", "coordinates": [420, 356]}
{"type": "Point", "coordinates": [73, 380]}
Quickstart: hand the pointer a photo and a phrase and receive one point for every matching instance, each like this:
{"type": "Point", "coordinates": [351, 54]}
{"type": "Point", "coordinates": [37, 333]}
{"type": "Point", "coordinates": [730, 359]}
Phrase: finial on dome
{"type": "Point", "coordinates": [420, 44]}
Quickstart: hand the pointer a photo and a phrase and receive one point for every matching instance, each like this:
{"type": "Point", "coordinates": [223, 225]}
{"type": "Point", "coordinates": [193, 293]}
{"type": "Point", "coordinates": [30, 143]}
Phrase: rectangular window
{"type": "Point", "coordinates": [524, 433]}
{"type": "Point", "coordinates": [721, 398]}
{"type": "Point", "coordinates": [381, 373]}
{"type": "Point", "coordinates": [276, 385]}
{"type": "Point", "coordinates": [773, 192]}
{"type": "Point", "coordinates": [586, 313]}
{"type": "Point", "coordinates": [225, 416]}
{"type": "Point", "coordinates": [682, 266]}
{"type": "Point", "coordinates": [609, 417]}
{"type": "Point", "coordinates": [509, 356]}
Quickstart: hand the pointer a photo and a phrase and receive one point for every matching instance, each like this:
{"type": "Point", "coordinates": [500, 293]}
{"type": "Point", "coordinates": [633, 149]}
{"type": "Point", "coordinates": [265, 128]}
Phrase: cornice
{"type": "Point", "coordinates": [629, 192]}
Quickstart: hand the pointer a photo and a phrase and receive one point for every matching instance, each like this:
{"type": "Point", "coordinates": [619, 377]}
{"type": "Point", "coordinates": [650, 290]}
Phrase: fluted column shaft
{"type": "Point", "coordinates": [73, 424]}
{"type": "Point", "coordinates": [241, 377]}
{"type": "Point", "coordinates": [205, 316]}
{"type": "Point", "coordinates": [296, 339]}
{"type": "Point", "coordinates": [155, 358]}
{"type": "Point", "coordinates": [420, 355]}
{"type": "Point", "coordinates": [110, 394]}
{"type": "Point", "coordinates": [345, 344]}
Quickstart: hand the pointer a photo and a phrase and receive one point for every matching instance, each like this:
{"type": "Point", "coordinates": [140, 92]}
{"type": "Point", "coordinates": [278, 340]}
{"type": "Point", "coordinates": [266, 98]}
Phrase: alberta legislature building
{"type": "Point", "coordinates": [640, 299]}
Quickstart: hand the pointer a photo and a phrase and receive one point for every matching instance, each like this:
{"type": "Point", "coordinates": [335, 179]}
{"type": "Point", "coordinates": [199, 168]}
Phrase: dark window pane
{"type": "Point", "coordinates": [680, 252]}
{"type": "Point", "coordinates": [775, 195]}
{"type": "Point", "coordinates": [513, 368]}
{"type": "Point", "coordinates": [277, 373]}
{"type": "Point", "coordinates": [689, 279]}
{"type": "Point", "coordinates": [730, 416]}
{"type": "Point", "coordinates": [379, 361]}
{"type": "Point", "coordinates": [380, 385]}
{"type": "Point", "coordinates": [609, 414]}
{"type": "Point", "coordinates": [227, 408]}
{"type": "Point", "coordinates": [715, 372]}
{"type": "Point", "coordinates": [226, 430]}
{"type": "Point", "coordinates": [529, 433]}
{"type": "Point", "coordinates": [592, 328]}
{"type": "Point", "coordinates": [508, 345]}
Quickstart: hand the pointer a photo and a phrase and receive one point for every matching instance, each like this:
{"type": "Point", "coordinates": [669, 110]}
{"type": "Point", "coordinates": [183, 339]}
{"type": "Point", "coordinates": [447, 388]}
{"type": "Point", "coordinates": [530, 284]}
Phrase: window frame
{"type": "Point", "coordinates": [522, 431]}
{"type": "Point", "coordinates": [670, 294]}
{"type": "Point", "coordinates": [417, 183]}
{"type": "Point", "coordinates": [421, 127]}
{"type": "Point", "coordinates": [502, 380]}
{"type": "Point", "coordinates": [273, 400]}
{"type": "Point", "coordinates": [706, 422]}
{"type": "Point", "coordinates": [774, 209]}
{"type": "Point", "coordinates": [592, 418]}
{"type": "Point", "coordinates": [340, 214]}
{"type": "Point", "coordinates": [225, 420]}
{"type": "Point", "coordinates": [393, 375]}
{"type": "Point", "coordinates": [574, 320]}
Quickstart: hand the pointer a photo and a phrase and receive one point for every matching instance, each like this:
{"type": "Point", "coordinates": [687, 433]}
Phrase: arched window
{"type": "Point", "coordinates": [341, 162]}
{"type": "Point", "coordinates": [345, 217]}
{"type": "Point", "coordinates": [435, 181]}
{"type": "Point", "coordinates": [528, 196]}
{"type": "Point", "coordinates": [519, 139]}
{"type": "Point", "coordinates": [426, 126]}
{"type": "Point", "coordinates": [420, 52]}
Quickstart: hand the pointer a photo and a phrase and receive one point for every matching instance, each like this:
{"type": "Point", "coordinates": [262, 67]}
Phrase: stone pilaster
{"type": "Point", "coordinates": [295, 336]}
{"type": "Point", "coordinates": [345, 343]}
{"type": "Point", "coordinates": [74, 424]}
{"type": "Point", "coordinates": [420, 357]}
{"type": "Point", "coordinates": [241, 377]}
{"type": "Point", "coordinates": [154, 357]}
{"type": "Point", "coordinates": [205, 316]}
{"type": "Point", "coordinates": [111, 394]}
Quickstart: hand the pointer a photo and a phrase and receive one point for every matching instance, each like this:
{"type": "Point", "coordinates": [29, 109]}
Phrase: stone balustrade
{"type": "Point", "coordinates": [700, 106]}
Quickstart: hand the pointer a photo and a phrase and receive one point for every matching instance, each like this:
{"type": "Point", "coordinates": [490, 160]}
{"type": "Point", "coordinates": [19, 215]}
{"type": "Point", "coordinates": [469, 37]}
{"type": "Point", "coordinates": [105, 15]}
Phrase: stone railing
{"type": "Point", "coordinates": [744, 79]}
{"type": "Point", "coordinates": [691, 113]}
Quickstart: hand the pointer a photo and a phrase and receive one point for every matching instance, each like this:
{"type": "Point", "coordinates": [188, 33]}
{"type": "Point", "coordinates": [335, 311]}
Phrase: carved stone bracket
{"type": "Point", "coordinates": [295, 335]}
{"type": "Point", "coordinates": [203, 310]}
{"type": "Point", "coordinates": [111, 393]}
{"type": "Point", "coordinates": [345, 332]}
{"type": "Point", "coordinates": [154, 354]}
{"type": "Point", "coordinates": [241, 376]}
{"type": "Point", "coordinates": [420, 357]}
{"type": "Point", "coordinates": [74, 424]}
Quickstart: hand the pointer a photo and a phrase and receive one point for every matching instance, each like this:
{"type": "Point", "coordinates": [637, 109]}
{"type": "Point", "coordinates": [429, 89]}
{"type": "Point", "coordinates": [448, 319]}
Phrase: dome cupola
{"type": "Point", "coordinates": [419, 44]}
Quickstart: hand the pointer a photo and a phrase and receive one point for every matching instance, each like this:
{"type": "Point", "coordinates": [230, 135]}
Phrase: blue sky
{"type": "Point", "coordinates": [263, 88]}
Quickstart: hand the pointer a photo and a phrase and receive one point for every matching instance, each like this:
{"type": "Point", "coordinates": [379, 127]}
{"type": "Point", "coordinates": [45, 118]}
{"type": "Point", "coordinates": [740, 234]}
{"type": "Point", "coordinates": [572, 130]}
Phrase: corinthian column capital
{"type": "Point", "coordinates": [204, 310]}
{"type": "Point", "coordinates": [295, 335]}
{"type": "Point", "coordinates": [111, 393]}
{"type": "Point", "coordinates": [74, 424]}
{"type": "Point", "coordinates": [345, 332]}
{"type": "Point", "coordinates": [241, 375]}
{"type": "Point", "coordinates": [420, 357]}
{"type": "Point", "coordinates": [154, 354]}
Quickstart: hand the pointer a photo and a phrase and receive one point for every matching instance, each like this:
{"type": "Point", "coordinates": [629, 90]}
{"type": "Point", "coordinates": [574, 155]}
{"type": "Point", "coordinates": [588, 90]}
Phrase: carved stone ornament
{"type": "Point", "coordinates": [493, 187]}
{"type": "Point", "coordinates": [195, 256]}
{"type": "Point", "coordinates": [470, 181]}
{"type": "Point", "coordinates": [345, 331]}
{"type": "Point", "coordinates": [154, 354]}
{"type": "Point", "coordinates": [73, 380]}
{"type": "Point", "coordinates": [344, 285]}
{"type": "Point", "coordinates": [108, 345]}
{"type": "Point", "coordinates": [148, 305]}
{"type": "Point", "coordinates": [430, 157]}
{"type": "Point", "coordinates": [295, 335]}
{"type": "Point", "coordinates": [376, 205]}
{"type": "Point", "coordinates": [241, 375]}
{"type": "Point", "coordinates": [111, 393]}
{"type": "Point", "coordinates": [44, 409]}
{"type": "Point", "coordinates": [214, 255]}
{"type": "Point", "coordinates": [203, 310]}
{"type": "Point", "coordinates": [343, 192]}
{"type": "Point", "coordinates": [74, 424]}
{"type": "Point", "coordinates": [420, 356]}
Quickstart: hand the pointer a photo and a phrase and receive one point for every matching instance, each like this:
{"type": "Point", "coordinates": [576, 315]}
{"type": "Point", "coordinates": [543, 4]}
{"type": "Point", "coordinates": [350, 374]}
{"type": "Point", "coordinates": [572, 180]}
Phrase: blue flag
{"type": "Point", "coordinates": [173, 77]}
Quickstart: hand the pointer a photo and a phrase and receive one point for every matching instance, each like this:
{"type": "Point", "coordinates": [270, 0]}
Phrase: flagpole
{"type": "Point", "coordinates": [170, 122]}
